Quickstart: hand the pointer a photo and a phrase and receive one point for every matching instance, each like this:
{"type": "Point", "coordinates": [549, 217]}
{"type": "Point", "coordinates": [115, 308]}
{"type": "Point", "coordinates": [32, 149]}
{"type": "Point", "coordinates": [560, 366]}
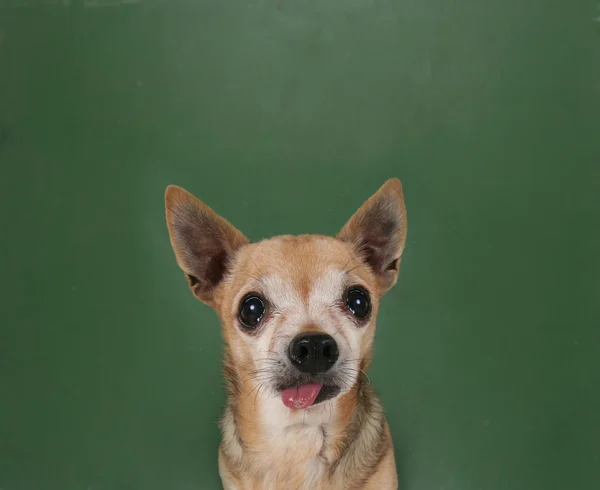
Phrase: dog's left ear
{"type": "Point", "coordinates": [377, 232]}
{"type": "Point", "coordinates": [204, 242]}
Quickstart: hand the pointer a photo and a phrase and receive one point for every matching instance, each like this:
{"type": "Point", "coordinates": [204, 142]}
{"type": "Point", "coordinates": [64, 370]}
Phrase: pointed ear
{"type": "Point", "coordinates": [377, 232]}
{"type": "Point", "coordinates": [204, 243]}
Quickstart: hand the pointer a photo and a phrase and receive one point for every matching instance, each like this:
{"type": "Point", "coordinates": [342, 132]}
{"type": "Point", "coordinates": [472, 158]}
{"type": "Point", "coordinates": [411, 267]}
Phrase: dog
{"type": "Point", "coordinates": [298, 319]}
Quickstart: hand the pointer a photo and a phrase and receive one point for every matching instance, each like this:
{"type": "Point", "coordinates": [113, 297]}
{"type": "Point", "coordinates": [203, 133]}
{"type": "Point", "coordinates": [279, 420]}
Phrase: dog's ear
{"type": "Point", "coordinates": [377, 232]}
{"type": "Point", "coordinates": [204, 242]}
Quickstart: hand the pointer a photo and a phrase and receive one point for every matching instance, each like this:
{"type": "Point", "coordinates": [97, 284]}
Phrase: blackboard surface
{"type": "Point", "coordinates": [284, 116]}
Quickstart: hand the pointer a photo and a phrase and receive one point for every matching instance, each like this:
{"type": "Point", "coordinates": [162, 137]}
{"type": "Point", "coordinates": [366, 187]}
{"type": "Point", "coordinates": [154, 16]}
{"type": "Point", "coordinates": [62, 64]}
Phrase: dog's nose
{"type": "Point", "coordinates": [313, 352]}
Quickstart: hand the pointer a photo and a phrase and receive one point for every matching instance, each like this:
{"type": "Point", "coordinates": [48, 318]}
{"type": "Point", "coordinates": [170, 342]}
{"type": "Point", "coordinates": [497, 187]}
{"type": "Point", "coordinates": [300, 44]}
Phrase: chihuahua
{"type": "Point", "coordinates": [298, 319]}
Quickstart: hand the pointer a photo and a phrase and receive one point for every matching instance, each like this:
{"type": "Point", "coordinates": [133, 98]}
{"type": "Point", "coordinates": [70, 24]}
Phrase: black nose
{"type": "Point", "coordinates": [313, 352]}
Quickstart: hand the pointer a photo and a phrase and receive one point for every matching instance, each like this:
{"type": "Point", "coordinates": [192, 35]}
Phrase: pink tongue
{"type": "Point", "coordinates": [301, 396]}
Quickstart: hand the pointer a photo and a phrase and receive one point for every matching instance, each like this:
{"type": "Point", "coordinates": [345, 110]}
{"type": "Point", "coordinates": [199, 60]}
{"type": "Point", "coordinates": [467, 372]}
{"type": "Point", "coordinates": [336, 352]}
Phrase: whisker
{"type": "Point", "coordinates": [257, 392]}
{"type": "Point", "coordinates": [252, 390]}
{"type": "Point", "coordinates": [355, 267]}
{"type": "Point", "coordinates": [258, 268]}
{"type": "Point", "coordinates": [366, 375]}
{"type": "Point", "coordinates": [266, 359]}
{"type": "Point", "coordinates": [251, 276]}
{"type": "Point", "coordinates": [347, 271]}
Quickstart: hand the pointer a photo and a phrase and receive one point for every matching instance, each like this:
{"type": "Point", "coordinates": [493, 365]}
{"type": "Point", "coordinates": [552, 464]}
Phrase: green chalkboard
{"type": "Point", "coordinates": [284, 115]}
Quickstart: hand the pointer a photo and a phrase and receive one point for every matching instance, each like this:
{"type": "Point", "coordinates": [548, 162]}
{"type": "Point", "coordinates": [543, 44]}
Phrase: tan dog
{"type": "Point", "coordinates": [298, 316]}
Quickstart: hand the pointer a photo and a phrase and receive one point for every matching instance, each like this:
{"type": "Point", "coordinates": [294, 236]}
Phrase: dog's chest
{"type": "Point", "coordinates": [294, 458]}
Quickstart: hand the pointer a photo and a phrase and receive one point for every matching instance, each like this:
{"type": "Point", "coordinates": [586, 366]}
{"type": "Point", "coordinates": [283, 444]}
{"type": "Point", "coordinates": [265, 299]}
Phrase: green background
{"type": "Point", "coordinates": [284, 115]}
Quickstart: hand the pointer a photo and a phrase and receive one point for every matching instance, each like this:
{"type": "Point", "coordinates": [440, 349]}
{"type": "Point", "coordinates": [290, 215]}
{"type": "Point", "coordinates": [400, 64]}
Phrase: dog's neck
{"type": "Point", "coordinates": [300, 448]}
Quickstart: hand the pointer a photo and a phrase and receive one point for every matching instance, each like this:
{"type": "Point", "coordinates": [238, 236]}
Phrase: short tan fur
{"type": "Point", "coordinates": [310, 289]}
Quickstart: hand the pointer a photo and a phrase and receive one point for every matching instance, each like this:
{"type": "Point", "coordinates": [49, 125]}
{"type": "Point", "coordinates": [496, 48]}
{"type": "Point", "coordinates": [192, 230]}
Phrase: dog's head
{"type": "Point", "coordinates": [298, 312]}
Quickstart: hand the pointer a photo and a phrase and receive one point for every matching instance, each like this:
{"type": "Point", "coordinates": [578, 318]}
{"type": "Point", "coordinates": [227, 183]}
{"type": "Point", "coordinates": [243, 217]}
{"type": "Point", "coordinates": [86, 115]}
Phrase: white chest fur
{"type": "Point", "coordinates": [294, 445]}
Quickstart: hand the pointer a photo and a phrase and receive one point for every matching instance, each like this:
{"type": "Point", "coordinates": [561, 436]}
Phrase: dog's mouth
{"type": "Point", "coordinates": [304, 390]}
{"type": "Point", "coordinates": [308, 395]}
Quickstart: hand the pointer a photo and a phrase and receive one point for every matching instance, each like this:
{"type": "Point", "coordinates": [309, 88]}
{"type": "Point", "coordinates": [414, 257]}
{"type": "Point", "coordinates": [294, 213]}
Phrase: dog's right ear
{"type": "Point", "coordinates": [204, 242]}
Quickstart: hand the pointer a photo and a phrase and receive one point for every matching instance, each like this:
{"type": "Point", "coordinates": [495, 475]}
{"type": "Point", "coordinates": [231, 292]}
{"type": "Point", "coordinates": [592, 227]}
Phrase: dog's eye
{"type": "Point", "coordinates": [358, 302]}
{"type": "Point", "coordinates": [252, 310]}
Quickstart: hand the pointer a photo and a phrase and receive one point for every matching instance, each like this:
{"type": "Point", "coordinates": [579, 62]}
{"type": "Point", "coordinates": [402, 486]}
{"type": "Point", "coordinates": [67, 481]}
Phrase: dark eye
{"type": "Point", "coordinates": [252, 310]}
{"type": "Point", "coordinates": [358, 302]}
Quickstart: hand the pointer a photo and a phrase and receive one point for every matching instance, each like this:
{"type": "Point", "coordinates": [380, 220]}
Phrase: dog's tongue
{"type": "Point", "coordinates": [301, 396]}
